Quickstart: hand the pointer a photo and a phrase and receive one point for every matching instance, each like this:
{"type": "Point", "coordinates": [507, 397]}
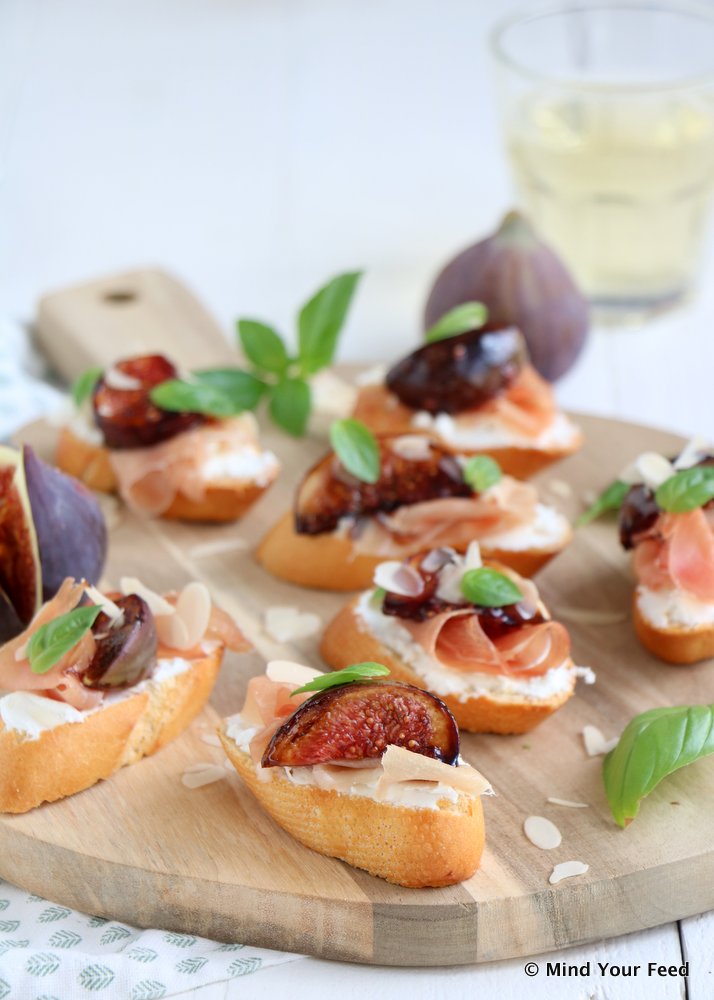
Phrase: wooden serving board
{"type": "Point", "coordinates": [143, 848]}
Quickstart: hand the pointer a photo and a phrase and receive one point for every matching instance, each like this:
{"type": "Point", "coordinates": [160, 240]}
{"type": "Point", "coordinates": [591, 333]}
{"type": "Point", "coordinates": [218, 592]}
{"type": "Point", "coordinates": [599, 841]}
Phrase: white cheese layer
{"type": "Point", "coordinates": [546, 531]}
{"type": "Point", "coordinates": [249, 463]}
{"type": "Point", "coordinates": [78, 421]}
{"type": "Point", "coordinates": [673, 608]}
{"type": "Point", "coordinates": [363, 784]}
{"type": "Point", "coordinates": [442, 680]}
{"type": "Point", "coordinates": [471, 433]}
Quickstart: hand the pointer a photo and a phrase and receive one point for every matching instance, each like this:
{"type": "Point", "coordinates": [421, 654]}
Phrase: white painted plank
{"type": "Point", "coordinates": [697, 938]}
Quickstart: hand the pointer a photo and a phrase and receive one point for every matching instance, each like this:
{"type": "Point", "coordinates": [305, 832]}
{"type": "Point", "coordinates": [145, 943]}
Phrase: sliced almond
{"type": "Point", "coordinates": [287, 672]}
{"type": "Point", "coordinates": [542, 833]}
{"type": "Point", "coordinates": [560, 488]}
{"type": "Point", "coordinates": [568, 803]}
{"type": "Point", "coordinates": [199, 775]}
{"type": "Point", "coordinates": [110, 609]}
{"type": "Point", "coordinates": [158, 604]}
{"type": "Point", "coordinates": [285, 624]}
{"type": "Point", "coordinates": [400, 764]}
{"type": "Point", "coordinates": [692, 452]}
{"type": "Point", "coordinates": [567, 869]}
{"type": "Point", "coordinates": [649, 468]}
{"type": "Point", "coordinates": [398, 578]}
{"type": "Point", "coordinates": [595, 742]}
{"type": "Point", "coordinates": [117, 379]}
{"type": "Point", "coordinates": [412, 447]}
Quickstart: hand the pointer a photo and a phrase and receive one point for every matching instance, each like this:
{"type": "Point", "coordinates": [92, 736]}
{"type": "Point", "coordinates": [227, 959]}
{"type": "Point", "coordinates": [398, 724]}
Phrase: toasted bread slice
{"type": "Point", "coordinates": [74, 756]}
{"type": "Point", "coordinates": [677, 644]}
{"type": "Point", "coordinates": [223, 500]}
{"type": "Point", "coordinates": [347, 640]}
{"type": "Point", "coordinates": [408, 846]}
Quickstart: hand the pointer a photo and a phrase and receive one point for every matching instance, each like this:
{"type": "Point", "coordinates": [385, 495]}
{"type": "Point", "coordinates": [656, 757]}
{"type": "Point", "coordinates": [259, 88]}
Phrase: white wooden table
{"type": "Point", "coordinates": [257, 147]}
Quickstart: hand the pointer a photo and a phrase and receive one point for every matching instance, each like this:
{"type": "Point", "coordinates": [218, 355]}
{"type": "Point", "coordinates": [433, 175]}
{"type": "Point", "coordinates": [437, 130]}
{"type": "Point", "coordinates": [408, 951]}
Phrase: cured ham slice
{"type": "Point", "coordinates": [267, 704]}
{"type": "Point", "coordinates": [399, 764]}
{"type": "Point", "coordinates": [679, 554]}
{"type": "Point", "coordinates": [528, 405]}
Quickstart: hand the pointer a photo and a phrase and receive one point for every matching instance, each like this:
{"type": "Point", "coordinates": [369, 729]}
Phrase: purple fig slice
{"type": "Point", "coordinates": [10, 624]}
{"type": "Point", "coordinates": [459, 373]}
{"type": "Point", "coordinates": [359, 721]}
{"type": "Point", "coordinates": [126, 653]}
{"type": "Point", "coordinates": [20, 575]}
{"type": "Point", "coordinates": [68, 521]}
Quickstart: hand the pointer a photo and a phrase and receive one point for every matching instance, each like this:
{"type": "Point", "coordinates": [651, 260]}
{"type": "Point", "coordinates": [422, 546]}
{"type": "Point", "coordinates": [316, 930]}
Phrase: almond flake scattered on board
{"type": "Point", "coordinates": [542, 833]}
{"type": "Point", "coordinates": [210, 739]}
{"type": "Point", "coordinates": [217, 548]}
{"type": "Point", "coordinates": [595, 742]}
{"type": "Point", "coordinates": [567, 802]}
{"type": "Point", "coordinates": [567, 869]}
{"type": "Point", "coordinates": [560, 488]}
{"type": "Point", "coordinates": [199, 775]}
{"type": "Point", "coordinates": [284, 624]}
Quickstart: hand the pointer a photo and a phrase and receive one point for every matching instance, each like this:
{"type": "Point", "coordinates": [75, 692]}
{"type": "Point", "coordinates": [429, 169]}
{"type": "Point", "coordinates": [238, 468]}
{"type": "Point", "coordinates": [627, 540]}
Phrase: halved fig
{"type": "Point", "coordinates": [10, 624]}
{"type": "Point", "coordinates": [353, 722]}
{"type": "Point", "coordinates": [68, 521]}
{"type": "Point", "coordinates": [638, 514]}
{"type": "Point", "coordinates": [125, 653]}
{"type": "Point", "coordinates": [329, 492]}
{"type": "Point", "coordinates": [124, 412]}
{"type": "Point", "coordinates": [20, 574]}
{"type": "Point", "coordinates": [459, 373]}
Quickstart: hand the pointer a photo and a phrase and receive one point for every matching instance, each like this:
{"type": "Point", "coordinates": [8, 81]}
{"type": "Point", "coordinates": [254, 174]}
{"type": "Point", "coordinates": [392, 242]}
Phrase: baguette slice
{"type": "Point", "coordinates": [329, 561]}
{"type": "Point", "coordinates": [415, 848]}
{"type": "Point", "coordinates": [677, 644]}
{"type": "Point", "coordinates": [74, 756]}
{"type": "Point", "coordinates": [223, 501]}
{"type": "Point", "coordinates": [346, 640]}
{"type": "Point", "coordinates": [384, 414]}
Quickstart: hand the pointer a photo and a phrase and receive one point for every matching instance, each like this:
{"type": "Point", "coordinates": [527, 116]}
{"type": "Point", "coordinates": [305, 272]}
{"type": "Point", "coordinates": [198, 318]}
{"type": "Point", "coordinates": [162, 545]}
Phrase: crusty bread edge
{"type": "Point", "coordinates": [91, 464]}
{"type": "Point", "coordinates": [347, 641]}
{"type": "Point", "coordinates": [677, 645]}
{"type": "Point", "coordinates": [415, 848]}
{"type": "Point", "coordinates": [74, 756]}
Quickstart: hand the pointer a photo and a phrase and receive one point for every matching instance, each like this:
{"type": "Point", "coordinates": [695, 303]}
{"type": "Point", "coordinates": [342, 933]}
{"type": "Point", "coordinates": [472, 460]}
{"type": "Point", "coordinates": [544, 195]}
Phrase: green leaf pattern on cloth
{"type": "Point", "coordinates": [94, 957]}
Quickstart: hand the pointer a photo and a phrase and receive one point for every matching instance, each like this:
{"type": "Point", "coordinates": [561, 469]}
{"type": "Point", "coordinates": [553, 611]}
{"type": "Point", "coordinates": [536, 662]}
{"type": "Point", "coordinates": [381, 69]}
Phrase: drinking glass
{"type": "Point", "coordinates": [608, 113]}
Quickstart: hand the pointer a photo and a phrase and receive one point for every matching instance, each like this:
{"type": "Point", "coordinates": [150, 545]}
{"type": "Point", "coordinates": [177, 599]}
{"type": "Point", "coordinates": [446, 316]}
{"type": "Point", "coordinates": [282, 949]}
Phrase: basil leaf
{"type": "Point", "coordinates": [243, 389]}
{"type": "Point", "coordinates": [52, 640]}
{"type": "Point", "coordinates": [83, 386]}
{"type": "Point", "coordinates": [356, 447]}
{"type": "Point", "coordinates": [263, 346]}
{"type": "Point", "coordinates": [610, 499]}
{"type": "Point", "coordinates": [686, 490]}
{"type": "Point", "coordinates": [290, 405]}
{"type": "Point", "coordinates": [488, 588]}
{"type": "Point", "coordinates": [356, 672]}
{"type": "Point", "coordinates": [320, 321]}
{"type": "Point", "coordinates": [653, 745]}
{"type": "Point", "coordinates": [181, 396]}
{"type": "Point", "coordinates": [461, 319]}
{"type": "Point", "coordinates": [481, 472]}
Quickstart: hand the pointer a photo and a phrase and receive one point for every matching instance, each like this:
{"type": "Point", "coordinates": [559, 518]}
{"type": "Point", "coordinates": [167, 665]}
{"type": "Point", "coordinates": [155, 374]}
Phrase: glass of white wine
{"type": "Point", "coordinates": [608, 110]}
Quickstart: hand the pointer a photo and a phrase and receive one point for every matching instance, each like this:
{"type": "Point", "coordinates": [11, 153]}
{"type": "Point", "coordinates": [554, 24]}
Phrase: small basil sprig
{"type": "Point", "coordinates": [84, 384]}
{"type": "Point", "coordinates": [356, 447]}
{"type": "Point", "coordinates": [355, 672]}
{"type": "Point", "coordinates": [653, 745]}
{"type": "Point", "coordinates": [610, 499]}
{"type": "Point", "coordinates": [481, 472]}
{"type": "Point", "coordinates": [216, 392]}
{"type": "Point", "coordinates": [461, 319]}
{"type": "Point", "coordinates": [686, 490]}
{"type": "Point", "coordinates": [52, 640]}
{"type": "Point", "coordinates": [488, 588]}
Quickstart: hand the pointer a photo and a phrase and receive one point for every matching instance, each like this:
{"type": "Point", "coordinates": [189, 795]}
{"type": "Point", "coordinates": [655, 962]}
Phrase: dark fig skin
{"type": "Point", "coordinates": [522, 283]}
{"type": "Point", "coordinates": [127, 418]}
{"type": "Point", "coordinates": [125, 654]}
{"type": "Point", "coordinates": [10, 624]}
{"type": "Point", "coordinates": [638, 514]}
{"type": "Point", "coordinates": [352, 722]}
{"type": "Point", "coordinates": [70, 528]}
{"type": "Point", "coordinates": [459, 373]}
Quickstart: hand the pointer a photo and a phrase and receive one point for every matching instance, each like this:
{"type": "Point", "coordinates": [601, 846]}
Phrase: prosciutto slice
{"type": "Point", "coordinates": [679, 554]}
{"type": "Point", "coordinates": [528, 405]}
{"type": "Point", "coordinates": [456, 640]}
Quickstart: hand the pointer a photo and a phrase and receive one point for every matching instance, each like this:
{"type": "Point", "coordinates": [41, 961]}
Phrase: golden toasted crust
{"type": "Point", "coordinates": [329, 562]}
{"type": "Point", "coordinates": [410, 847]}
{"type": "Point", "coordinates": [346, 641]}
{"type": "Point", "coordinates": [92, 464]}
{"type": "Point", "coordinates": [382, 411]}
{"type": "Point", "coordinates": [678, 645]}
{"type": "Point", "coordinates": [75, 756]}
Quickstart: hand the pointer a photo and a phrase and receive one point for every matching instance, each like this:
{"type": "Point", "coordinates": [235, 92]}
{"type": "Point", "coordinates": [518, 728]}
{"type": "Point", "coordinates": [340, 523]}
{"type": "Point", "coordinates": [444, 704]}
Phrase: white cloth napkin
{"type": "Point", "coordinates": [23, 394]}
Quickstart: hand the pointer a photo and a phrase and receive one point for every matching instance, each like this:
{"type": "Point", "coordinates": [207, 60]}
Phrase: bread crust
{"type": "Point", "coordinates": [384, 414]}
{"type": "Point", "coordinates": [346, 641]}
{"type": "Point", "coordinates": [91, 464]}
{"type": "Point", "coordinates": [74, 756]}
{"type": "Point", "coordinates": [329, 561]}
{"type": "Point", "coordinates": [416, 848]}
{"type": "Point", "coordinates": [677, 645]}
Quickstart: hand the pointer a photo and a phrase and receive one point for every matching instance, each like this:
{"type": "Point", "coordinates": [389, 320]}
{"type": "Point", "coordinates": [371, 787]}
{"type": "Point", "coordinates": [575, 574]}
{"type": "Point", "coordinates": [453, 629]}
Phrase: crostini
{"type": "Point", "coordinates": [343, 527]}
{"type": "Point", "coordinates": [477, 393]}
{"type": "Point", "coordinates": [98, 681]}
{"type": "Point", "coordinates": [367, 771]}
{"type": "Point", "coordinates": [667, 521]}
{"type": "Point", "coordinates": [476, 635]}
{"type": "Point", "coordinates": [178, 464]}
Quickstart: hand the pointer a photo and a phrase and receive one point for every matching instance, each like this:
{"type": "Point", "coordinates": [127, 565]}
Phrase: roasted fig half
{"type": "Point", "coordinates": [459, 373]}
{"type": "Point", "coordinates": [20, 576]}
{"type": "Point", "coordinates": [353, 722]}
{"type": "Point", "coordinates": [329, 492]}
{"type": "Point", "coordinates": [123, 409]}
{"type": "Point", "coordinates": [638, 514]}
{"type": "Point", "coordinates": [126, 652]}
